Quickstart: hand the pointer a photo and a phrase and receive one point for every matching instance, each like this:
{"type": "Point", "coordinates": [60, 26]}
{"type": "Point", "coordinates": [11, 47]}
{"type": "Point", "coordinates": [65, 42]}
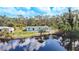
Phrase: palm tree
{"type": "Point", "coordinates": [70, 19]}
{"type": "Point", "coordinates": [72, 34]}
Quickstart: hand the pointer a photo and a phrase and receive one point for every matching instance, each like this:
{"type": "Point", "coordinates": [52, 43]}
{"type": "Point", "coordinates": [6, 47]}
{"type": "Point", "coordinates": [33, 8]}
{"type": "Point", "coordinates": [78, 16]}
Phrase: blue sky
{"type": "Point", "coordinates": [32, 11]}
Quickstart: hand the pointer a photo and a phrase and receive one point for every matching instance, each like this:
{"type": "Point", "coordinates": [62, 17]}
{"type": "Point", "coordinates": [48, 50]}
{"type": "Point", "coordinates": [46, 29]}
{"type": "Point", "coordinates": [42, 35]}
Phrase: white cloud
{"type": "Point", "coordinates": [21, 12]}
{"type": "Point", "coordinates": [26, 13]}
{"type": "Point", "coordinates": [59, 10]}
{"type": "Point", "coordinates": [75, 8]}
{"type": "Point", "coordinates": [30, 12]}
{"type": "Point", "coordinates": [9, 10]}
{"type": "Point", "coordinates": [46, 9]}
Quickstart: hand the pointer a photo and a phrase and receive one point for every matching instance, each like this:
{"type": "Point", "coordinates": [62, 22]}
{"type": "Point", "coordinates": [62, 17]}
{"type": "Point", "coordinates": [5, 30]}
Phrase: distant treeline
{"type": "Point", "coordinates": [60, 21]}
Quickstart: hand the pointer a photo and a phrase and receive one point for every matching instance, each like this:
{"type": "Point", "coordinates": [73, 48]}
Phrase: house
{"type": "Point", "coordinates": [37, 28]}
{"type": "Point", "coordinates": [7, 29]}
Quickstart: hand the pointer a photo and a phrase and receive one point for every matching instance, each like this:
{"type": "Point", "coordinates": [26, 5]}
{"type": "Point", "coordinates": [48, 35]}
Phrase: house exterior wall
{"type": "Point", "coordinates": [37, 28]}
{"type": "Point", "coordinates": [8, 29]}
{"type": "Point", "coordinates": [11, 29]}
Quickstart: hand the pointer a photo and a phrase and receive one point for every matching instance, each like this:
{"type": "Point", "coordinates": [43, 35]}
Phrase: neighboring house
{"type": "Point", "coordinates": [5, 28]}
{"type": "Point", "coordinates": [37, 28]}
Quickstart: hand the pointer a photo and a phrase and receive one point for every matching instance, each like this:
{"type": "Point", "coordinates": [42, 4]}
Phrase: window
{"type": "Point", "coordinates": [28, 28]}
{"type": "Point", "coordinates": [33, 29]}
{"type": "Point", "coordinates": [0, 30]}
{"type": "Point", "coordinates": [39, 28]}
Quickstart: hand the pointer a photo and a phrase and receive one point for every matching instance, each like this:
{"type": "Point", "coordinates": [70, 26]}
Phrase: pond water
{"type": "Point", "coordinates": [32, 44]}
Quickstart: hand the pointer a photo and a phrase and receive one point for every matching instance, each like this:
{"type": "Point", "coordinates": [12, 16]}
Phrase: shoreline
{"type": "Point", "coordinates": [36, 36]}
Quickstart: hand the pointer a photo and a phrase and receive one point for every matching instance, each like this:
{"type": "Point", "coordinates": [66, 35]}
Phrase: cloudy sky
{"type": "Point", "coordinates": [32, 11]}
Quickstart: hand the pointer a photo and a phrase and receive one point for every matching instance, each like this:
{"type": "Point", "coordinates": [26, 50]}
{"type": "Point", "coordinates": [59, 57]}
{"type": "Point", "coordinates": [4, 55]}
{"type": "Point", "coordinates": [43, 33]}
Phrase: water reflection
{"type": "Point", "coordinates": [33, 44]}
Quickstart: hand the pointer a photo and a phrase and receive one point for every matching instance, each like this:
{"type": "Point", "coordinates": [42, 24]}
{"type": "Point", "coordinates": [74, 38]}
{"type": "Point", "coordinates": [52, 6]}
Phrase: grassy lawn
{"type": "Point", "coordinates": [22, 34]}
{"type": "Point", "coordinates": [19, 33]}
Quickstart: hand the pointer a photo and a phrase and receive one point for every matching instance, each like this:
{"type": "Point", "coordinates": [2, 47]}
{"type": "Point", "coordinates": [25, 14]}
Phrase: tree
{"type": "Point", "coordinates": [10, 25]}
{"type": "Point", "coordinates": [70, 19]}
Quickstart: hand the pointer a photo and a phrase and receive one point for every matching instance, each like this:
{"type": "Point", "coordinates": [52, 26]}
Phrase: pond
{"type": "Point", "coordinates": [31, 44]}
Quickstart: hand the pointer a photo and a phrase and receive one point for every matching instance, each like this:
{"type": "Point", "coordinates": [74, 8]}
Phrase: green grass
{"type": "Point", "coordinates": [23, 34]}
{"type": "Point", "coordinates": [19, 33]}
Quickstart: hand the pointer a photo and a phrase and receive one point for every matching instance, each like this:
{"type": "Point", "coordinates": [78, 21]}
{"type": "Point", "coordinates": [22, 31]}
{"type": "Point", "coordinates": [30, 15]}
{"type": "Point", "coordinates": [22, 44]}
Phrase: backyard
{"type": "Point", "coordinates": [23, 34]}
